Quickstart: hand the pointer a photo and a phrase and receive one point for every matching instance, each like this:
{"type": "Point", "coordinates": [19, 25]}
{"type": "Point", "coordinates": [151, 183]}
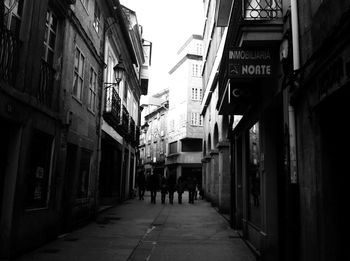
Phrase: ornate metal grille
{"type": "Point", "coordinates": [262, 9]}
{"type": "Point", "coordinates": [45, 93]}
{"type": "Point", "coordinates": [8, 55]}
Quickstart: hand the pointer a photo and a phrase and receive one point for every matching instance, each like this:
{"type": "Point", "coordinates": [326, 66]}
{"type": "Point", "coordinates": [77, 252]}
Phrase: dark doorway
{"type": "Point", "coordinates": [8, 153]}
{"type": "Point", "coordinates": [332, 186]}
{"type": "Point", "coordinates": [68, 188]}
{"type": "Point", "coordinates": [110, 173]}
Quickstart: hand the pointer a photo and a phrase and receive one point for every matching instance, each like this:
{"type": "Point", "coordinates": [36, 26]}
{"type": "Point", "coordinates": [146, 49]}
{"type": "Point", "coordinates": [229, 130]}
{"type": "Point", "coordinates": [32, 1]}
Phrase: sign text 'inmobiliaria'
{"type": "Point", "coordinates": [249, 63]}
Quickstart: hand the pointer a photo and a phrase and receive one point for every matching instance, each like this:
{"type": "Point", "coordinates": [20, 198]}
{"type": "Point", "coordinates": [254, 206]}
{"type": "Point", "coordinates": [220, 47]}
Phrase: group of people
{"type": "Point", "coordinates": [167, 184]}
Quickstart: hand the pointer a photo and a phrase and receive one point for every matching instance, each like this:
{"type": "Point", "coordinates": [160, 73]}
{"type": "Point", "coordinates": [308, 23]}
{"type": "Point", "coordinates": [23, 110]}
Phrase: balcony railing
{"type": "Point", "coordinates": [262, 9]}
{"type": "Point", "coordinates": [137, 135]}
{"type": "Point", "coordinates": [9, 46]}
{"type": "Point", "coordinates": [131, 131]}
{"type": "Point", "coordinates": [45, 93]}
{"type": "Point", "coordinates": [125, 119]}
{"type": "Point", "coordinates": [112, 107]}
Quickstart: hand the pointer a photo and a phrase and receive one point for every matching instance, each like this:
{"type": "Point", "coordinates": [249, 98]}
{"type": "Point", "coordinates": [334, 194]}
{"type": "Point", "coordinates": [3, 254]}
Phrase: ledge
{"type": "Point", "coordinates": [213, 152]}
{"type": "Point", "coordinates": [223, 144]}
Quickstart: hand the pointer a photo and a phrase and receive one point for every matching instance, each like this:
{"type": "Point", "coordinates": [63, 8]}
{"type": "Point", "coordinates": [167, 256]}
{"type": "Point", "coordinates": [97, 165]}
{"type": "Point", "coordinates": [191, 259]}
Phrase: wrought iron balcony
{"type": "Point", "coordinates": [137, 135]}
{"type": "Point", "coordinates": [9, 46]}
{"type": "Point", "coordinates": [125, 119]}
{"type": "Point", "coordinates": [131, 130]}
{"type": "Point", "coordinates": [262, 9]}
{"type": "Point", "coordinates": [45, 93]}
{"type": "Point", "coordinates": [112, 107]}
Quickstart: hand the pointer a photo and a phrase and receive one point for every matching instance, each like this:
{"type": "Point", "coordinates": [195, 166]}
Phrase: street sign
{"type": "Point", "coordinates": [249, 63]}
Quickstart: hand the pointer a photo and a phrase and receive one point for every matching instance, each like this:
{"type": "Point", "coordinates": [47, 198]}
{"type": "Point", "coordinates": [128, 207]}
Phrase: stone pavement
{"type": "Point", "coordinates": [137, 230]}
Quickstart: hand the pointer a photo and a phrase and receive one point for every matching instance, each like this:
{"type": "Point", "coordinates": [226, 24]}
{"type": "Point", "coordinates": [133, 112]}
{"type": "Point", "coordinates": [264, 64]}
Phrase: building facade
{"type": "Point", "coordinates": [185, 124]}
{"type": "Point", "coordinates": [52, 99]}
{"type": "Point", "coordinates": [121, 114]}
{"type": "Point", "coordinates": [153, 138]}
{"type": "Point", "coordinates": [216, 149]}
{"type": "Point", "coordinates": [280, 87]}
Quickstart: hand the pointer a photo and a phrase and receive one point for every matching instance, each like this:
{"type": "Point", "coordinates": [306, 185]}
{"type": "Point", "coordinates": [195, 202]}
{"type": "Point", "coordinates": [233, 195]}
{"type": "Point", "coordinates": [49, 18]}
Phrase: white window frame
{"type": "Point", "coordinates": [49, 33]}
{"type": "Point", "coordinates": [78, 93]}
{"type": "Point", "coordinates": [97, 19]}
{"type": "Point", "coordinates": [12, 7]}
{"type": "Point", "coordinates": [92, 90]}
{"type": "Point", "coordinates": [85, 4]}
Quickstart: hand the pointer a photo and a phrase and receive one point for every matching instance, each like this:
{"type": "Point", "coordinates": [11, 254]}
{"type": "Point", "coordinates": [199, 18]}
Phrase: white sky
{"type": "Point", "coordinates": [167, 24]}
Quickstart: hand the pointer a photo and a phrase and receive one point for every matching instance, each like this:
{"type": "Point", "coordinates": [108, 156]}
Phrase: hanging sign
{"type": "Point", "coordinates": [249, 63]}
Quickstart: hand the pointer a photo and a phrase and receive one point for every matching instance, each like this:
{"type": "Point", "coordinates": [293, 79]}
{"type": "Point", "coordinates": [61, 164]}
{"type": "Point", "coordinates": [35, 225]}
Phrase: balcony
{"type": "Point", "coordinates": [131, 130]}
{"type": "Point", "coordinates": [250, 61]}
{"type": "Point", "coordinates": [9, 46]}
{"type": "Point", "coordinates": [46, 93]}
{"type": "Point", "coordinates": [112, 108]}
{"type": "Point", "coordinates": [125, 120]}
{"type": "Point", "coordinates": [262, 9]}
{"type": "Point", "coordinates": [137, 136]}
{"type": "Point", "coordinates": [261, 21]}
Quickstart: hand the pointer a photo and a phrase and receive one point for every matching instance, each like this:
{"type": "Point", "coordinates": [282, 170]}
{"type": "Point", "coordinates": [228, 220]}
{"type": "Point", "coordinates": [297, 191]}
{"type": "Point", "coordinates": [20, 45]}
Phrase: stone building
{"type": "Point", "coordinates": [52, 81]}
{"type": "Point", "coordinates": [276, 74]}
{"type": "Point", "coordinates": [153, 138]}
{"type": "Point", "coordinates": [185, 124]}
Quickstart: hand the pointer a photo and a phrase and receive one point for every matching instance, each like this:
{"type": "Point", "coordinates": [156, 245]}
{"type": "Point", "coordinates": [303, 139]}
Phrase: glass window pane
{"type": "Point", "coordinates": [50, 55]}
{"type": "Point", "coordinates": [81, 65]}
{"type": "Point", "coordinates": [254, 209]}
{"type": "Point", "coordinates": [52, 40]}
{"type": "Point", "coordinates": [76, 60]}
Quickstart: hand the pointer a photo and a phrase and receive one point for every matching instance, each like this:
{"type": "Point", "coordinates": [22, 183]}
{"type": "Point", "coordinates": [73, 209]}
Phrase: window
{"type": "Point", "coordinates": [194, 70]}
{"type": "Point", "coordinates": [38, 180]}
{"type": "Point", "coordinates": [191, 145]}
{"type": "Point", "coordinates": [173, 147]}
{"type": "Point", "coordinates": [97, 18]}
{"type": "Point", "coordinates": [12, 15]}
{"type": "Point", "coordinates": [49, 37]}
{"type": "Point", "coordinates": [253, 178]}
{"type": "Point", "coordinates": [199, 49]}
{"type": "Point", "coordinates": [84, 174]}
{"type": "Point", "coordinates": [92, 90]}
{"type": "Point", "coordinates": [79, 63]}
{"type": "Point", "coordinates": [161, 147]}
{"type": "Point", "coordinates": [196, 94]}
{"type": "Point", "coordinates": [196, 119]}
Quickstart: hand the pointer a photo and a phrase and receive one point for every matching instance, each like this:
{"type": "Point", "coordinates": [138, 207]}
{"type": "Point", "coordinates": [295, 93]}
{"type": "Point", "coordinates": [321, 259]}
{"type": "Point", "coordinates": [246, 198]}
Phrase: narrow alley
{"type": "Point", "coordinates": [138, 230]}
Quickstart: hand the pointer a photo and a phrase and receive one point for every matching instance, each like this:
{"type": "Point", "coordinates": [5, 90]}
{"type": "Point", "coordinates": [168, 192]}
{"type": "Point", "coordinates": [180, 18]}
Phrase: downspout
{"type": "Point", "coordinates": [291, 112]}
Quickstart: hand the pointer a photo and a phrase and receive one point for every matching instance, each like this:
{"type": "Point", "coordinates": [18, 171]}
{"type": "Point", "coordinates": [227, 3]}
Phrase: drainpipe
{"type": "Point", "coordinates": [291, 113]}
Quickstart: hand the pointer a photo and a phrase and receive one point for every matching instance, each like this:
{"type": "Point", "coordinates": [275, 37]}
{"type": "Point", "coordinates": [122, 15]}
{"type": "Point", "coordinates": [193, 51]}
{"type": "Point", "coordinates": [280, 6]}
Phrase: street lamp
{"type": "Point", "coordinates": [119, 73]}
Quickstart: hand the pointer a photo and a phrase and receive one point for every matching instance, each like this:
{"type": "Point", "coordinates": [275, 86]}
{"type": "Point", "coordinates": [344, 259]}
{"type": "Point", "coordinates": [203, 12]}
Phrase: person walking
{"type": "Point", "coordinates": [191, 189]}
{"type": "Point", "coordinates": [163, 188]}
{"type": "Point", "coordinates": [141, 184]}
{"type": "Point", "coordinates": [153, 186]}
{"type": "Point", "coordinates": [180, 189]}
{"type": "Point", "coordinates": [171, 187]}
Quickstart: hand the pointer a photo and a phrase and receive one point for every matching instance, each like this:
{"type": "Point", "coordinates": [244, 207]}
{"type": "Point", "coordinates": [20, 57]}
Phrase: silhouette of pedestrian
{"type": "Point", "coordinates": [191, 189]}
{"type": "Point", "coordinates": [171, 187]}
{"type": "Point", "coordinates": [163, 188]}
{"type": "Point", "coordinates": [141, 184]}
{"type": "Point", "coordinates": [180, 189]}
{"type": "Point", "coordinates": [153, 186]}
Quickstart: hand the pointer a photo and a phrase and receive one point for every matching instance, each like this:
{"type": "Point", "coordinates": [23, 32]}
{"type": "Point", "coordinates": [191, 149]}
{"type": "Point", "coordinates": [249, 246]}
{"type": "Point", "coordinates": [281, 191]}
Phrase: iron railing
{"type": "Point", "coordinates": [125, 119]}
{"type": "Point", "coordinates": [262, 9]}
{"type": "Point", "coordinates": [131, 131]}
{"type": "Point", "coordinates": [9, 45]}
{"type": "Point", "coordinates": [112, 107]}
{"type": "Point", "coordinates": [45, 93]}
